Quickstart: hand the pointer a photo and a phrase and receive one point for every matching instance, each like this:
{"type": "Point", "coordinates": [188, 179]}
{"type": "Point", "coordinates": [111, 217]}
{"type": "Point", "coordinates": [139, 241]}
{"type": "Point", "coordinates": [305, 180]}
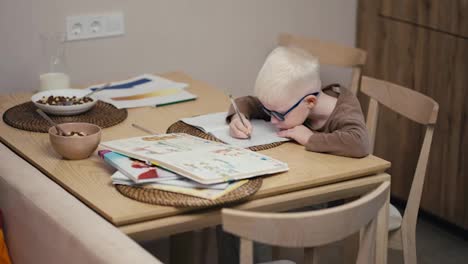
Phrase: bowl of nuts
{"type": "Point", "coordinates": [75, 141]}
{"type": "Point", "coordinates": [64, 102]}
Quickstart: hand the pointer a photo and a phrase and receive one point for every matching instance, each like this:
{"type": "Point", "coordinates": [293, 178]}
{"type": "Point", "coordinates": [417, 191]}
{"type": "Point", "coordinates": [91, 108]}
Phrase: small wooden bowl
{"type": "Point", "coordinates": [76, 147]}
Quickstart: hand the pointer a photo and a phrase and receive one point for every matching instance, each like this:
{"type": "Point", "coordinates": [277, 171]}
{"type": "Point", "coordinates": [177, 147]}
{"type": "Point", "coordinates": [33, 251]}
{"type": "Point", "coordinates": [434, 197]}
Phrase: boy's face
{"type": "Point", "coordinates": [294, 111]}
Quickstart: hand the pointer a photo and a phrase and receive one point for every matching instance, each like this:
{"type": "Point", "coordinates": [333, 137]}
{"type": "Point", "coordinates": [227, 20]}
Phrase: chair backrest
{"type": "Point", "coordinates": [309, 229]}
{"type": "Point", "coordinates": [414, 106]}
{"type": "Point", "coordinates": [330, 54]}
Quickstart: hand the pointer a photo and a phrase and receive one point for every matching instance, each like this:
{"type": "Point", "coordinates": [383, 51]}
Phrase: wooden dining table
{"type": "Point", "coordinates": [312, 177]}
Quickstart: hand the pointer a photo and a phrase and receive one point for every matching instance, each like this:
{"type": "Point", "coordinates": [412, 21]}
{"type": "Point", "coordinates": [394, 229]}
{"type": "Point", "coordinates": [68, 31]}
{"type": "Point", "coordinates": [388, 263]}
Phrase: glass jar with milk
{"type": "Point", "coordinates": [54, 68]}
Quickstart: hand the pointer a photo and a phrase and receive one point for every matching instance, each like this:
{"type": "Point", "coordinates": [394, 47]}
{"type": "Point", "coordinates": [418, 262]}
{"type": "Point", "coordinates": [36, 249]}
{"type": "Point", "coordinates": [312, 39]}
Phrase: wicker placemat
{"type": "Point", "coordinates": [166, 198]}
{"type": "Point", "coordinates": [181, 127]}
{"type": "Point", "coordinates": [24, 117]}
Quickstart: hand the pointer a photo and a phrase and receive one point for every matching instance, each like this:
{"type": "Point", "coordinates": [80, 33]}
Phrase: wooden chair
{"type": "Point", "coordinates": [330, 54]}
{"type": "Point", "coordinates": [309, 229]}
{"type": "Point", "coordinates": [423, 110]}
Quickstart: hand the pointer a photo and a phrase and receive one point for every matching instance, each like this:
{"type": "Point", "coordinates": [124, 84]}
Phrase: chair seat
{"type": "Point", "coordinates": [394, 218]}
{"type": "Point", "coordinates": [283, 261]}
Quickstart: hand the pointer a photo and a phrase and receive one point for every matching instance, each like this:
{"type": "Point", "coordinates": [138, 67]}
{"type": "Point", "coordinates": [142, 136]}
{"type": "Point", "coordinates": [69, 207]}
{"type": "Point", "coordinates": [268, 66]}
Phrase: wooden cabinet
{"type": "Point", "coordinates": [410, 44]}
{"type": "Point", "coordinates": [449, 16]}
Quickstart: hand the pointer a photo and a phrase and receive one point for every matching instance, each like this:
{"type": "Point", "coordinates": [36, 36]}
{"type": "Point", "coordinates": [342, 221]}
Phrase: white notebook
{"type": "Point", "coordinates": [215, 124]}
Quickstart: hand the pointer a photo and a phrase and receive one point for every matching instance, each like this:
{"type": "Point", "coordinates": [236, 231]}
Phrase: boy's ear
{"type": "Point", "coordinates": [311, 100]}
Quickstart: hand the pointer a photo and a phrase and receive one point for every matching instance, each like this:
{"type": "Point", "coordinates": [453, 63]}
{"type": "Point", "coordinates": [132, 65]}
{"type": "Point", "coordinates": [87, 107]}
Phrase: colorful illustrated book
{"type": "Point", "coordinates": [215, 124]}
{"type": "Point", "coordinates": [201, 160]}
{"type": "Point", "coordinates": [184, 186]}
{"type": "Point", "coordinates": [136, 170]}
{"type": "Point", "coordinates": [144, 90]}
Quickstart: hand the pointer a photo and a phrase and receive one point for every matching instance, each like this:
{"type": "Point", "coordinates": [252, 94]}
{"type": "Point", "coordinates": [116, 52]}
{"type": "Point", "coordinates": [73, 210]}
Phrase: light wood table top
{"type": "Point", "coordinates": [89, 179]}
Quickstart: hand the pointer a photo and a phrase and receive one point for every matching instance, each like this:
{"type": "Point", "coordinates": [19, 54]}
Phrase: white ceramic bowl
{"type": "Point", "coordinates": [64, 109]}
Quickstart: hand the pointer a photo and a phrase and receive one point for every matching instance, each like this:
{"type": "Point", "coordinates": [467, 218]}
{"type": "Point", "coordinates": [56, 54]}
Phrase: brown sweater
{"type": "Point", "coordinates": [344, 133]}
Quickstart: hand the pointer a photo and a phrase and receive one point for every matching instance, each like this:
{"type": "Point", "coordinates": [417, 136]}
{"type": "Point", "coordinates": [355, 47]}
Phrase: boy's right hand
{"type": "Point", "coordinates": [237, 129]}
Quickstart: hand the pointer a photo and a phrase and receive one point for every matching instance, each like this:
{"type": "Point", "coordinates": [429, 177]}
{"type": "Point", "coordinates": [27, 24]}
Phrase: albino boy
{"type": "Point", "coordinates": [288, 93]}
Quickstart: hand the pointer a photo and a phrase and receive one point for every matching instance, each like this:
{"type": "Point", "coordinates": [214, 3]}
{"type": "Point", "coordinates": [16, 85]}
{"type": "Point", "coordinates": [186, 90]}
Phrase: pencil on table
{"type": "Point", "coordinates": [149, 131]}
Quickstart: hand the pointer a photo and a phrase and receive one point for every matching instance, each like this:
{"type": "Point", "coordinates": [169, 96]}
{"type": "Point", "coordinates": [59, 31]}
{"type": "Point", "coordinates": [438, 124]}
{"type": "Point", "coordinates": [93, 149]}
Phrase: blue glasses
{"type": "Point", "coordinates": [282, 116]}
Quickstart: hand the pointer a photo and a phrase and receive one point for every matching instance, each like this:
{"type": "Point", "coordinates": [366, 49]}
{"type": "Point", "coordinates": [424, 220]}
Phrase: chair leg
{"type": "Point", "coordinates": [367, 247]}
{"type": "Point", "coordinates": [246, 251]}
{"type": "Point", "coordinates": [382, 233]}
{"type": "Point", "coordinates": [409, 246]}
{"type": "Point", "coordinates": [351, 248]}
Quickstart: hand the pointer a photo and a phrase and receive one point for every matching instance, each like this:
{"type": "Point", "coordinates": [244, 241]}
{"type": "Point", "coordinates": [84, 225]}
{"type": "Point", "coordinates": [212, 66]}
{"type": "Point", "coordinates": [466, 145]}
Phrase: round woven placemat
{"type": "Point", "coordinates": [166, 198]}
{"type": "Point", "coordinates": [181, 127]}
{"type": "Point", "coordinates": [24, 117]}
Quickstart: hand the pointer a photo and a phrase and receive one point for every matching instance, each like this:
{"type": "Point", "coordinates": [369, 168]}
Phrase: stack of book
{"type": "Point", "coordinates": [185, 164]}
{"type": "Point", "coordinates": [134, 172]}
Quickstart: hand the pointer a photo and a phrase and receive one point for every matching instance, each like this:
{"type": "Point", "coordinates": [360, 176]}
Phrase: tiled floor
{"type": "Point", "coordinates": [434, 245]}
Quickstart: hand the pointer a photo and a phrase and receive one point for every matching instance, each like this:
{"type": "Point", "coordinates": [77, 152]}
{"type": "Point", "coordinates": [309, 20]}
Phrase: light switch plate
{"type": "Point", "coordinates": [95, 26]}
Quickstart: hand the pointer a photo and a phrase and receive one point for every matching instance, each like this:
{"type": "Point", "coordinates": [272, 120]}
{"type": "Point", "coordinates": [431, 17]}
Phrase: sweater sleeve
{"type": "Point", "coordinates": [250, 106]}
{"type": "Point", "coordinates": [349, 137]}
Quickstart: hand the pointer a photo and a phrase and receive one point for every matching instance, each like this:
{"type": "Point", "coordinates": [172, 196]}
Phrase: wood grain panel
{"type": "Point", "coordinates": [393, 132]}
{"type": "Point", "coordinates": [449, 16]}
{"type": "Point", "coordinates": [435, 64]}
{"type": "Point", "coordinates": [461, 82]}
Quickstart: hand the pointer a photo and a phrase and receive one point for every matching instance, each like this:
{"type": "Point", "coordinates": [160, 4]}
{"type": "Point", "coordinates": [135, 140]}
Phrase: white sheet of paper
{"type": "Point", "coordinates": [207, 123]}
{"type": "Point", "coordinates": [262, 133]}
{"type": "Point", "coordinates": [145, 94]}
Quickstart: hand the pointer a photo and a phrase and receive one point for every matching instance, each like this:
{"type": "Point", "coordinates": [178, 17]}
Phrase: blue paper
{"type": "Point", "coordinates": [125, 85]}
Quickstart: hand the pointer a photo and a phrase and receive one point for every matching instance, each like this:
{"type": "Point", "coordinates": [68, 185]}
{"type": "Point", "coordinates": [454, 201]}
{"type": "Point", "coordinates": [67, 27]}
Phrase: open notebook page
{"type": "Point", "coordinates": [215, 124]}
{"type": "Point", "coordinates": [207, 123]}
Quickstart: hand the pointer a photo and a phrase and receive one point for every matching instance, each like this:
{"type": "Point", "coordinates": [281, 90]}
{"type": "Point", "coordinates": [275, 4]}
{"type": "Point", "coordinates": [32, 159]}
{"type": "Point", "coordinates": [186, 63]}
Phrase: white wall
{"type": "Point", "coordinates": [223, 42]}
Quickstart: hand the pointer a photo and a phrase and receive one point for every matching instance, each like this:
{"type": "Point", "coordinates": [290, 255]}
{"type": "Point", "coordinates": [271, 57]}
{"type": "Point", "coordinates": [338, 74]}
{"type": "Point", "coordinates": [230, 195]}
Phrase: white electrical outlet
{"type": "Point", "coordinates": [95, 26]}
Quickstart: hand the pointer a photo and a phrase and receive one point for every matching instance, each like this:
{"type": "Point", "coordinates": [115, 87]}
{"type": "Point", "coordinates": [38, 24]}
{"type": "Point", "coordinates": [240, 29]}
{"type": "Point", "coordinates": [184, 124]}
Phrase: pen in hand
{"type": "Point", "coordinates": [236, 109]}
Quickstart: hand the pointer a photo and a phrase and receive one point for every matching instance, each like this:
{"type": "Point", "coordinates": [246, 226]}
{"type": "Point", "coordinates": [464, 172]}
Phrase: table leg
{"type": "Point", "coordinates": [382, 233]}
{"type": "Point", "coordinates": [185, 242]}
{"type": "Point", "coordinates": [193, 247]}
{"type": "Point", "coordinates": [228, 247]}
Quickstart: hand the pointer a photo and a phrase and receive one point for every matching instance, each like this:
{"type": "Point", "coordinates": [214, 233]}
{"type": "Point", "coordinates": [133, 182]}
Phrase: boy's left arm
{"type": "Point", "coordinates": [350, 138]}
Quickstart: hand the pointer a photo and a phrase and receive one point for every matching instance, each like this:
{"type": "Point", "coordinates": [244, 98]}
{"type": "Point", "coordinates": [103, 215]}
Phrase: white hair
{"type": "Point", "coordinates": [287, 73]}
